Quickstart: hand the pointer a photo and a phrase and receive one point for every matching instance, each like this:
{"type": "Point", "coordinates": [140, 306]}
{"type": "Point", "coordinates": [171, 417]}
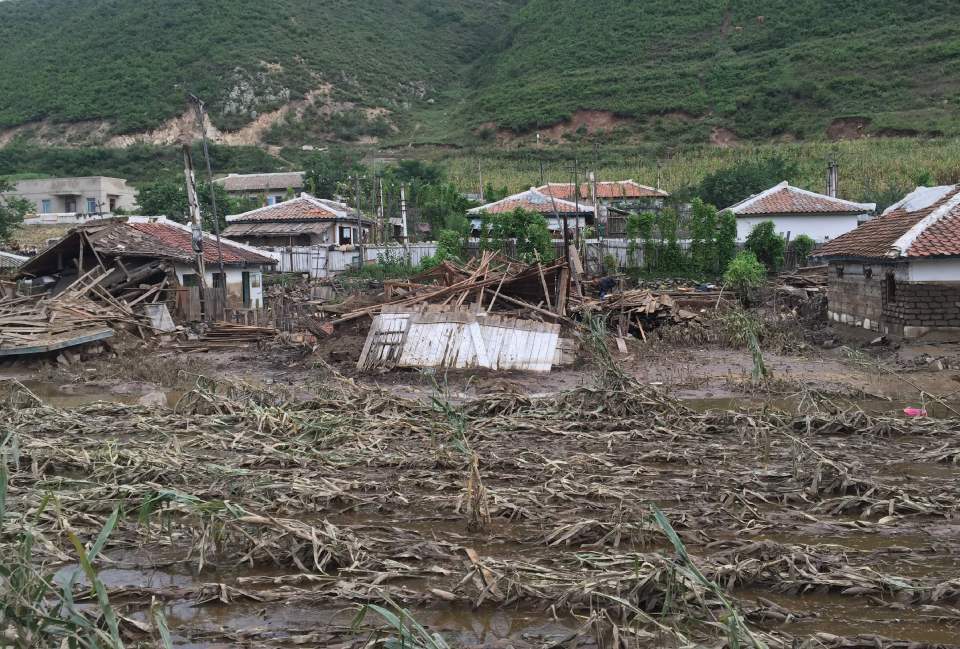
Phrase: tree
{"type": "Point", "coordinates": [729, 186]}
{"type": "Point", "coordinates": [726, 239]}
{"type": "Point", "coordinates": [802, 246]}
{"type": "Point", "coordinates": [12, 210]}
{"type": "Point", "coordinates": [745, 275]}
{"type": "Point", "coordinates": [768, 246]}
{"type": "Point", "coordinates": [168, 197]}
{"type": "Point", "coordinates": [529, 229]}
{"type": "Point", "coordinates": [327, 174]}
{"type": "Point", "coordinates": [703, 235]}
{"type": "Point", "coordinates": [669, 255]}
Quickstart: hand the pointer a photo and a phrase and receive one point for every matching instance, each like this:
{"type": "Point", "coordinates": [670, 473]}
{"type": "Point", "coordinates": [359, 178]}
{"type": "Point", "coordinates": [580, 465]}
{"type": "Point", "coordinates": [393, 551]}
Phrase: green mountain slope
{"type": "Point", "coordinates": [132, 61]}
{"type": "Point", "coordinates": [760, 68]}
{"type": "Point", "coordinates": [442, 69]}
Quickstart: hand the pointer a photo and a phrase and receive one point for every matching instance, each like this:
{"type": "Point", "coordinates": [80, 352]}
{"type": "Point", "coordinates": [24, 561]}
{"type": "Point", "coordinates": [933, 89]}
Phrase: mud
{"type": "Point", "coordinates": [268, 517]}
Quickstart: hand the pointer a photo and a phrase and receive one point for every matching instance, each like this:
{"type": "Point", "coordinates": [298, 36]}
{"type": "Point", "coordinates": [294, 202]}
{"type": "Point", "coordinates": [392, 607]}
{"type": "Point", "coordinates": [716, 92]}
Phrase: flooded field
{"type": "Point", "coordinates": [614, 517]}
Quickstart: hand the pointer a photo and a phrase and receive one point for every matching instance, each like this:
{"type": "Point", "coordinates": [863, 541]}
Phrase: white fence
{"type": "Point", "coordinates": [320, 262]}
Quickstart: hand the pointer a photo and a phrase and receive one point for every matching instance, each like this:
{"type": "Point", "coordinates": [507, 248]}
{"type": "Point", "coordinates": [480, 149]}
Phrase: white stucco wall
{"type": "Point", "coordinates": [234, 281]}
{"type": "Point", "coordinates": [820, 228]}
{"type": "Point", "coordinates": [934, 270]}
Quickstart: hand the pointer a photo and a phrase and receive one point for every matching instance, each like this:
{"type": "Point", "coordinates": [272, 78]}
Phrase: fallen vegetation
{"type": "Point", "coordinates": [611, 515]}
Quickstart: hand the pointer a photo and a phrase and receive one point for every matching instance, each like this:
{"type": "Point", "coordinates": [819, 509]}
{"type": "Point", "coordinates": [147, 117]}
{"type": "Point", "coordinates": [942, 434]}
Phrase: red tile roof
{"type": "Point", "coordinates": [303, 208]}
{"type": "Point", "coordinates": [914, 227]}
{"type": "Point", "coordinates": [624, 189]}
{"type": "Point", "coordinates": [784, 199]}
{"type": "Point", "coordinates": [179, 239]}
{"type": "Point", "coordinates": [533, 200]}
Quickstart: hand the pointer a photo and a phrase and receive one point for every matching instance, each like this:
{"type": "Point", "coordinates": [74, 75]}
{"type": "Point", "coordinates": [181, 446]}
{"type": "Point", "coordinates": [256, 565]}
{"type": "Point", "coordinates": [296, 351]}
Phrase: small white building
{"type": "Point", "coordinates": [554, 210]}
{"type": "Point", "coordinates": [796, 211]}
{"type": "Point", "coordinates": [268, 188]}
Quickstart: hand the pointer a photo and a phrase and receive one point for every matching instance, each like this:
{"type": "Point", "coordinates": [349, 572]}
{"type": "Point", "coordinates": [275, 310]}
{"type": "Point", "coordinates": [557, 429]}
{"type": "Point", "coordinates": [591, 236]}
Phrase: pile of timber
{"type": "Point", "coordinates": [808, 277]}
{"type": "Point", "coordinates": [490, 283]}
{"type": "Point", "coordinates": [226, 335]}
{"type": "Point", "coordinates": [638, 311]}
{"type": "Point", "coordinates": [40, 323]}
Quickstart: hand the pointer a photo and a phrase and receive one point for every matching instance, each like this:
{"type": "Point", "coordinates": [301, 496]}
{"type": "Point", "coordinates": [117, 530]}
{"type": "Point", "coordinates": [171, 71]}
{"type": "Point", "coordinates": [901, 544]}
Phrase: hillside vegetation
{"type": "Point", "coordinates": [131, 62]}
{"type": "Point", "coordinates": [455, 70]}
{"type": "Point", "coordinates": [760, 68]}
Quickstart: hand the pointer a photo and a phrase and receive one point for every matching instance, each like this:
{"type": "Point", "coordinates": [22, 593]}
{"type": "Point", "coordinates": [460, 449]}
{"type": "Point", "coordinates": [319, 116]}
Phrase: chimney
{"type": "Point", "coordinates": [832, 179]}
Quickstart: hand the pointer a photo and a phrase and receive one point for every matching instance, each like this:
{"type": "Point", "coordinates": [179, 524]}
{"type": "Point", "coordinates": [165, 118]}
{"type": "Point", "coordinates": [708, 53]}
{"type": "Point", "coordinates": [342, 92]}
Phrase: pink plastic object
{"type": "Point", "coordinates": [915, 412]}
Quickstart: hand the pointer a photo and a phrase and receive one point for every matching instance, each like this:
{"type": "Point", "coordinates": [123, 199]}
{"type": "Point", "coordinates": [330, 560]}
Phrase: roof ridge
{"type": "Point", "coordinates": [902, 245]}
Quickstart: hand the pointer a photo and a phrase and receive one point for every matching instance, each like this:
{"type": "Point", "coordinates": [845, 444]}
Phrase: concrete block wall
{"type": "Point", "coordinates": [856, 300]}
{"type": "Point", "coordinates": [933, 305]}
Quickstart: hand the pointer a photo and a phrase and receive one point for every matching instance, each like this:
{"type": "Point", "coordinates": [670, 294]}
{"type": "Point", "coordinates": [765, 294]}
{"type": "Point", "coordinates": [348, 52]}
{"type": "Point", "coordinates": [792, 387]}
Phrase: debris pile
{"type": "Point", "coordinates": [34, 324]}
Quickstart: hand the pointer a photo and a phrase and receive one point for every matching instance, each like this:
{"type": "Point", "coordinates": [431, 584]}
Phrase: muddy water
{"type": "Point", "coordinates": [73, 395]}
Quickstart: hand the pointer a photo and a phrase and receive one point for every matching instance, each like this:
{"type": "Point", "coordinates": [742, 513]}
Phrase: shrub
{"type": "Point", "coordinates": [768, 246]}
{"type": "Point", "coordinates": [745, 275]}
{"type": "Point", "coordinates": [802, 246]}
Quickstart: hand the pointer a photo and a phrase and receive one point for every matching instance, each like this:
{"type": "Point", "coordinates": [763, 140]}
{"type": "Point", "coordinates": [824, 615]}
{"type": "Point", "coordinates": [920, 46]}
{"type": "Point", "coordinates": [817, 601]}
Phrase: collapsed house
{"type": "Point", "coordinates": [116, 272]}
{"type": "Point", "coordinates": [150, 254]}
{"type": "Point", "coordinates": [900, 273]}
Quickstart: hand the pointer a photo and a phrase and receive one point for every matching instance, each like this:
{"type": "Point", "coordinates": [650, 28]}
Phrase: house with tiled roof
{"type": "Point", "coordinates": [302, 221]}
{"type": "Point", "coordinates": [796, 211]}
{"type": "Point", "coordinates": [615, 200]}
{"type": "Point", "coordinates": [900, 273]}
{"type": "Point", "coordinates": [156, 246]}
{"type": "Point", "coordinates": [578, 215]}
{"type": "Point", "coordinates": [268, 188]}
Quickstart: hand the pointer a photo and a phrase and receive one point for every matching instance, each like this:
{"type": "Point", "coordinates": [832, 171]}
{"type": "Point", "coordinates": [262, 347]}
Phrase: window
{"type": "Point", "coordinates": [218, 280]}
{"type": "Point", "coordinates": [46, 206]}
{"type": "Point", "coordinates": [91, 206]}
{"type": "Point", "coordinates": [191, 280]}
{"type": "Point", "coordinates": [839, 272]}
{"type": "Point", "coordinates": [69, 205]}
{"type": "Point", "coordinates": [272, 200]}
{"type": "Point", "coordinates": [868, 272]}
{"type": "Point", "coordinates": [346, 237]}
{"type": "Point", "coordinates": [113, 203]}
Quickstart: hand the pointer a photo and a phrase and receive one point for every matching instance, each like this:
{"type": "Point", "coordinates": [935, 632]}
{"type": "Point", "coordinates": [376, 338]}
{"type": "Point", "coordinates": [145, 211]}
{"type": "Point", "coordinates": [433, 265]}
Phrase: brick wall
{"type": "Point", "coordinates": [865, 300]}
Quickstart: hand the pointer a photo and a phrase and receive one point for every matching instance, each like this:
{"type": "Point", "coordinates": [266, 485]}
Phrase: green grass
{"type": "Point", "coordinates": [133, 63]}
{"type": "Point", "coordinates": [763, 69]}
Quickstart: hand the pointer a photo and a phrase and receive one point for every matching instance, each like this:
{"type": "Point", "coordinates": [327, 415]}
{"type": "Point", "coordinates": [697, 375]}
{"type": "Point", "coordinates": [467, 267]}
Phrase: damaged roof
{"type": "Point", "coordinates": [785, 199]}
{"type": "Point", "coordinates": [532, 200]}
{"type": "Point", "coordinates": [925, 223]}
{"type": "Point", "coordinates": [303, 208]}
{"type": "Point", "coordinates": [262, 182]}
{"type": "Point", "coordinates": [622, 189]}
{"type": "Point", "coordinates": [148, 237]}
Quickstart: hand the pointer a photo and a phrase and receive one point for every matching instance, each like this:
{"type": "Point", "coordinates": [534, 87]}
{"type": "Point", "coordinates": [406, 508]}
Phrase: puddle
{"type": "Point", "coordinates": [75, 395]}
{"type": "Point", "coordinates": [846, 616]}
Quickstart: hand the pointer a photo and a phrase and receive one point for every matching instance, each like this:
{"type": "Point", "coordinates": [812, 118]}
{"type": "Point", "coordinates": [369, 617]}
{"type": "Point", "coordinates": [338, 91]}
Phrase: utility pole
{"type": "Point", "coordinates": [480, 173]}
{"type": "Point", "coordinates": [403, 214]}
{"type": "Point", "coordinates": [200, 109]}
{"type": "Point", "coordinates": [196, 228]}
{"type": "Point", "coordinates": [359, 242]}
